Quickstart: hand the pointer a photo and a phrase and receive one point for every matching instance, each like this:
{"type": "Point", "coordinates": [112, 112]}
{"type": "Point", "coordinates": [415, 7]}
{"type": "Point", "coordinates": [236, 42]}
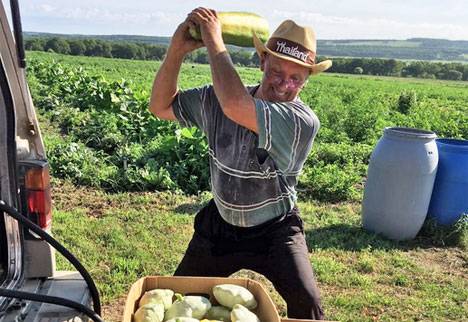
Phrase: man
{"type": "Point", "coordinates": [259, 138]}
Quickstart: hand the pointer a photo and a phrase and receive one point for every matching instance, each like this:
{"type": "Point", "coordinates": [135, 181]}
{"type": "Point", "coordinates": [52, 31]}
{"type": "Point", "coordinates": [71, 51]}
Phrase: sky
{"type": "Point", "coordinates": [331, 19]}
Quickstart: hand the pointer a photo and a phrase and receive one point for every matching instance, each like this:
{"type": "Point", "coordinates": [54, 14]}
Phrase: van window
{"type": "Point", "coordinates": [10, 251]}
{"type": "Point", "coordinates": [3, 168]}
{"type": "Point", "coordinates": [3, 140]}
{"type": "Point", "coordinates": [3, 250]}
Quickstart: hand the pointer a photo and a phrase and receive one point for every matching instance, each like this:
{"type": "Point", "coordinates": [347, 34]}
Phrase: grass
{"type": "Point", "coordinates": [362, 276]}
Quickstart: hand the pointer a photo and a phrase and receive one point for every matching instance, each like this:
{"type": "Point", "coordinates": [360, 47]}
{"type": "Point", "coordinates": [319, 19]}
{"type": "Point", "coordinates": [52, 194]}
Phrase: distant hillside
{"type": "Point", "coordinates": [413, 48]}
{"type": "Point", "coordinates": [410, 49]}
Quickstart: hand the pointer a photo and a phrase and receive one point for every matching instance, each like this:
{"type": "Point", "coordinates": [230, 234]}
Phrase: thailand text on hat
{"type": "Point", "coordinates": [294, 43]}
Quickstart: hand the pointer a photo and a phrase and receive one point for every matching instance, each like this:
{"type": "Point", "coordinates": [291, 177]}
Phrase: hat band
{"type": "Point", "coordinates": [292, 49]}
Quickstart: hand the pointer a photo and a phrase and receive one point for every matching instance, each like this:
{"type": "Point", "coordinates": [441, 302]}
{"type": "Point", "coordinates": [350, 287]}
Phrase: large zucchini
{"type": "Point", "coordinates": [237, 28]}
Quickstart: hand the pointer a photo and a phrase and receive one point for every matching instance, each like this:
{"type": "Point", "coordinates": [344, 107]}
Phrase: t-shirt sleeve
{"type": "Point", "coordinates": [188, 107]}
{"type": "Point", "coordinates": [286, 131]}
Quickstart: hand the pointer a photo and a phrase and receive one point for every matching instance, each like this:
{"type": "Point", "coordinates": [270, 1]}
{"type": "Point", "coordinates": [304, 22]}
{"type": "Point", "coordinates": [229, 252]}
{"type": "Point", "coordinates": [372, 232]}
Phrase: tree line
{"type": "Point", "coordinates": [96, 47]}
{"type": "Point", "coordinates": [249, 58]}
{"type": "Point", "coordinates": [399, 68]}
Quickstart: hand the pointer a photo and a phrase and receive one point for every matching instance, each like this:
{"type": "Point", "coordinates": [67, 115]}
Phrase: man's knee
{"type": "Point", "coordinates": [304, 303]}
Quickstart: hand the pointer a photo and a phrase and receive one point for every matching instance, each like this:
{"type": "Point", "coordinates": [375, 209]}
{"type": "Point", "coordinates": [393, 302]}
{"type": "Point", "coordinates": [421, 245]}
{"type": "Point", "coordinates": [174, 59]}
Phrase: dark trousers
{"type": "Point", "coordinates": [275, 249]}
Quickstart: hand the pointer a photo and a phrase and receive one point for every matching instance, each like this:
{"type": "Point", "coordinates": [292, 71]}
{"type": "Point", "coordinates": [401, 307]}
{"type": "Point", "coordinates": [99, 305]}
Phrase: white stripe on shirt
{"type": "Point", "coordinates": [251, 207]}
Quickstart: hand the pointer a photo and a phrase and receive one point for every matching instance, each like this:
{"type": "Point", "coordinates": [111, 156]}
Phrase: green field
{"type": "Point", "coordinates": [127, 186]}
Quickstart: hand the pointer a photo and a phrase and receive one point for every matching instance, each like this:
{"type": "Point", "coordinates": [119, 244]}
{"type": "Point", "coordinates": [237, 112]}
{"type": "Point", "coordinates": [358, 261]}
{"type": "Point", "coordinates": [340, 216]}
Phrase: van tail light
{"type": "Point", "coordinates": [37, 194]}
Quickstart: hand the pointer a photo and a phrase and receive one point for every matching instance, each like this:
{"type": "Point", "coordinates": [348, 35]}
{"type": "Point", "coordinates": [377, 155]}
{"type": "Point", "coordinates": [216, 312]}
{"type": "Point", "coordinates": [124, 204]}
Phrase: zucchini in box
{"type": "Point", "coordinates": [265, 309]}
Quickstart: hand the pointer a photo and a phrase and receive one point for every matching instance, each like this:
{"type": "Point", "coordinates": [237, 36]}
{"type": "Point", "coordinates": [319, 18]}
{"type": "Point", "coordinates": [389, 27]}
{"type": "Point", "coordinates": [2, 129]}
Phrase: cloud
{"type": "Point", "coordinates": [46, 8]}
{"type": "Point", "coordinates": [337, 27]}
{"type": "Point", "coordinates": [102, 16]}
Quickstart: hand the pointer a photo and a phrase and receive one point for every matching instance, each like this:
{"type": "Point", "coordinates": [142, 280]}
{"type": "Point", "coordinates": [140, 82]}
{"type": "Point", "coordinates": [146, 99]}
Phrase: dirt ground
{"type": "Point", "coordinates": [113, 312]}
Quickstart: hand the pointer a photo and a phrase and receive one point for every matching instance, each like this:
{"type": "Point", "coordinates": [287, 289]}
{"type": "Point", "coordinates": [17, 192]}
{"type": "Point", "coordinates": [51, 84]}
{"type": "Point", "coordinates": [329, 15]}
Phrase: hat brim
{"type": "Point", "coordinates": [315, 68]}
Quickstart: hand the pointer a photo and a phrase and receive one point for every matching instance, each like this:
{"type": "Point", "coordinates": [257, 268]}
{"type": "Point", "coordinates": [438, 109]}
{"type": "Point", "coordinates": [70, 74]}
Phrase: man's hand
{"type": "Point", "coordinates": [182, 43]}
{"type": "Point", "coordinates": [210, 28]}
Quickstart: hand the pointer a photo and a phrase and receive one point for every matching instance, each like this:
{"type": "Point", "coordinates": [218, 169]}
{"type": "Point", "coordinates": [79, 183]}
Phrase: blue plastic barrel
{"type": "Point", "coordinates": [450, 194]}
{"type": "Point", "coordinates": [399, 183]}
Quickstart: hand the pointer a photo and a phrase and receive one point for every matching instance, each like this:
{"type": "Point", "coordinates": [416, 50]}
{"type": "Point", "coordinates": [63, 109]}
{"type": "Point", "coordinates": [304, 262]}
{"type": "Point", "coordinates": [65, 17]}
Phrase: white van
{"type": "Point", "coordinates": [27, 262]}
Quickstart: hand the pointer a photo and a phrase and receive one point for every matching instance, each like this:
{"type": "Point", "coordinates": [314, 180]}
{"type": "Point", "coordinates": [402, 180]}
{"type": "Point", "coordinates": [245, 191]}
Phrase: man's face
{"type": "Point", "coordinates": [282, 79]}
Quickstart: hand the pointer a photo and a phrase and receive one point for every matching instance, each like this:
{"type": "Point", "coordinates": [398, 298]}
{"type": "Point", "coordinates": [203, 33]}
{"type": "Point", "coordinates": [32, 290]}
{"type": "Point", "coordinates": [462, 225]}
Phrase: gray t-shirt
{"type": "Point", "coordinates": [253, 177]}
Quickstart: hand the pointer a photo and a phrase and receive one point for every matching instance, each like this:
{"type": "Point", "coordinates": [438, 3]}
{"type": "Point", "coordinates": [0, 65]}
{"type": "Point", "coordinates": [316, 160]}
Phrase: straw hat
{"type": "Point", "coordinates": [294, 43]}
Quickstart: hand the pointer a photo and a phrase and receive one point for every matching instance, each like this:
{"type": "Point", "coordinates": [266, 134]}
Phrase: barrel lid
{"type": "Point", "coordinates": [408, 132]}
{"type": "Point", "coordinates": [452, 145]}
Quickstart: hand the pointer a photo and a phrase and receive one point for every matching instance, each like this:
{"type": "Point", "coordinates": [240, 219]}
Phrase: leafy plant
{"type": "Point", "coordinates": [406, 101]}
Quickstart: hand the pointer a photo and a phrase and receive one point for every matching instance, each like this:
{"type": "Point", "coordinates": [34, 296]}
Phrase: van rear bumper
{"type": "Point", "coordinates": [64, 284]}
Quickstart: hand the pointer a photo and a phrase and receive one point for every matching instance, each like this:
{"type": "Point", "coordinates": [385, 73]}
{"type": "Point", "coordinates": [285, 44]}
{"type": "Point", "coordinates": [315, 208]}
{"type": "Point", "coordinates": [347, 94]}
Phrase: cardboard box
{"type": "Point", "coordinates": [296, 320]}
{"type": "Point", "coordinates": [299, 320]}
{"type": "Point", "coordinates": [266, 310]}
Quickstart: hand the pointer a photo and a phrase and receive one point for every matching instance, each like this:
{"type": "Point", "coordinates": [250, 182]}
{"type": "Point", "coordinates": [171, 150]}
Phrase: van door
{"type": "Point", "coordinates": [11, 238]}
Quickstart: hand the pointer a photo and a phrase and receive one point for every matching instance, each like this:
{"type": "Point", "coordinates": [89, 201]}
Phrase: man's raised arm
{"type": "Point", "coordinates": [165, 83]}
{"type": "Point", "coordinates": [235, 101]}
